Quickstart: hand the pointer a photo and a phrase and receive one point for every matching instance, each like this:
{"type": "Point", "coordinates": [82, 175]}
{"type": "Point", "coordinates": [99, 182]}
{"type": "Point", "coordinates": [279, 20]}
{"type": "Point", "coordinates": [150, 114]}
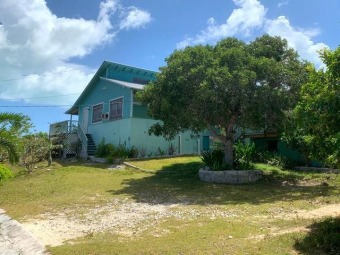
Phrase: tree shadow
{"type": "Point", "coordinates": [180, 184]}
{"type": "Point", "coordinates": [78, 162]}
{"type": "Point", "coordinates": [323, 238]}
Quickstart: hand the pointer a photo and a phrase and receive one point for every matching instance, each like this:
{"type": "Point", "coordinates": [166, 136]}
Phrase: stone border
{"type": "Point", "coordinates": [230, 176]}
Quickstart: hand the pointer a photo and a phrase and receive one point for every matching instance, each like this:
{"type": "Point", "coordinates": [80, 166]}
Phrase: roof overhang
{"type": "Point", "coordinates": [124, 83]}
{"type": "Point", "coordinates": [74, 110]}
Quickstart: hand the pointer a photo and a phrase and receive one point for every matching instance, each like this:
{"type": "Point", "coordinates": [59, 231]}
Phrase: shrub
{"type": "Point", "coordinates": [160, 152]}
{"type": "Point", "coordinates": [214, 159]}
{"type": "Point", "coordinates": [35, 148]}
{"type": "Point", "coordinates": [5, 173]}
{"type": "Point", "coordinates": [133, 152]}
{"type": "Point", "coordinates": [142, 152]}
{"type": "Point", "coordinates": [244, 154]}
{"type": "Point", "coordinates": [274, 159]}
{"type": "Point", "coordinates": [111, 152]}
{"type": "Point", "coordinates": [171, 149]}
{"type": "Point", "coordinates": [104, 150]}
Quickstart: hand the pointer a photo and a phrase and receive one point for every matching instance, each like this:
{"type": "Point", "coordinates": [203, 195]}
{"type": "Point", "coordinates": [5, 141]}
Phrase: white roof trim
{"type": "Point", "coordinates": [124, 83]}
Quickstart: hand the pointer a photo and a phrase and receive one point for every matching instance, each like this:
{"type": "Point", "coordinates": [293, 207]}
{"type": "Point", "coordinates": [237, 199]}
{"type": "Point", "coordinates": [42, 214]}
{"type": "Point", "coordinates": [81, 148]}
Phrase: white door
{"type": "Point", "coordinates": [85, 121]}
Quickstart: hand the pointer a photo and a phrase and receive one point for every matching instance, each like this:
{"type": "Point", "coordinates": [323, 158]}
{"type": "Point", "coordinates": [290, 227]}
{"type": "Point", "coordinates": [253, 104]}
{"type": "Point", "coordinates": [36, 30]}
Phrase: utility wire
{"type": "Point", "coordinates": [17, 99]}
{"type": "Point", "coordinates": [32, 106]}
{"type": "Point", "coordinates": [65, 105]}
{"type": "Point", "coordinates": [35, 75]}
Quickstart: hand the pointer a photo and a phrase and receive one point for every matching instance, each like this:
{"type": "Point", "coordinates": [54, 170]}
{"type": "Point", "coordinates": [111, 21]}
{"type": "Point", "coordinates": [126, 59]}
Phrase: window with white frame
{"type": "Point", "coordinates": [116, 109]}
{"type": "Point", "coordinates": [97, 111]}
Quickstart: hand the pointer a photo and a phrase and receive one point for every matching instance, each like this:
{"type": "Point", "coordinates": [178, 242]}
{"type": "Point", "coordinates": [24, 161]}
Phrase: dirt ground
{"type": "Point", "coordinates": [124, 217]}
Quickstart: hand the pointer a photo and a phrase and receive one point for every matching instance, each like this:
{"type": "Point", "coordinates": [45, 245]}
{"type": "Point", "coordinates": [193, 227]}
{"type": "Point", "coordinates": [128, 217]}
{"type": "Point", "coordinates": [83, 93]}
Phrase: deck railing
{"type": "Point", "coordinates": [64, 127]}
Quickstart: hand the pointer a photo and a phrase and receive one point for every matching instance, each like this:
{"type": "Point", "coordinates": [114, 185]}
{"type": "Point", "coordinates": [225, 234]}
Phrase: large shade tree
{"type": "Point", "coordinates": [225, 88]}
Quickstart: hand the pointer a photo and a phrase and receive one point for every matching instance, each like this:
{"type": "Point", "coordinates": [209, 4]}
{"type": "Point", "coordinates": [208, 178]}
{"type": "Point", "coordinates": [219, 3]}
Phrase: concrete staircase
{"type": "Point", "coordinates": [91, 146]}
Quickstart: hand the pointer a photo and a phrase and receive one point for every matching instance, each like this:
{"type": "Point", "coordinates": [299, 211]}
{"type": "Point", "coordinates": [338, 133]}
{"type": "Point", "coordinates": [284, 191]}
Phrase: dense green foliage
{"type": "Point", "coordinates": [5, 173]}
{"type": "Point", "coordinates": [244, 155]}
{"type": "Point", "coordinates": [220, 88]}
{"type": "Point", "coordinates": [214, 159]}
{"type": "Point", "coordinates": [314, 124]}
{"type": "Point", "coordinates": [112, 152]}
{"type": "Point", "coordinates": [12, 126]}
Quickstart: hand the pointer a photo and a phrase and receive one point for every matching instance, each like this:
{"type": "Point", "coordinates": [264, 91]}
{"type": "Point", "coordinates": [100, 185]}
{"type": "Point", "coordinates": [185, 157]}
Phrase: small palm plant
{"type": "Point", "coordinates": [12, 125]}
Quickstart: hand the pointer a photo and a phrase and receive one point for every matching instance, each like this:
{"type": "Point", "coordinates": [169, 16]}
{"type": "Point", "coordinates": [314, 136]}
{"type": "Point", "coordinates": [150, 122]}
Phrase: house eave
{"type": "Point", "coordinates": [74, 110]}
{"type": "Point", "coordinates": [131, 85]}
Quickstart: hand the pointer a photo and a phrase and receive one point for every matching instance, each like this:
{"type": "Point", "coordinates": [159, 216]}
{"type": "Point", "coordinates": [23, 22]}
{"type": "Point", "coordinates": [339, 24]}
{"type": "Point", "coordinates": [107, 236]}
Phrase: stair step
{"type": "Point", "coordinates": [91, 146]}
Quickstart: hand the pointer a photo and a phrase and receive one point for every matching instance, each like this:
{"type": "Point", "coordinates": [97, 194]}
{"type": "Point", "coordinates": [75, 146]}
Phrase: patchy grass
{"type": "Point", "coordinates": [161, 163]}
{"type": "Point", "coordinates": [198, 217]}
{"type": "Point", "coordinates": [67, 186]}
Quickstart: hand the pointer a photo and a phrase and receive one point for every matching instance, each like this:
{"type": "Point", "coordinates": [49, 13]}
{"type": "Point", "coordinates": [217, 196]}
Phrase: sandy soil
{"type": "Point", "coordinates": [123, 217]}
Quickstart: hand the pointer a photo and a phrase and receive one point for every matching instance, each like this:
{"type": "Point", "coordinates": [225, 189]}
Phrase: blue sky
{"type": "Point", "coordinates": [50, 49]}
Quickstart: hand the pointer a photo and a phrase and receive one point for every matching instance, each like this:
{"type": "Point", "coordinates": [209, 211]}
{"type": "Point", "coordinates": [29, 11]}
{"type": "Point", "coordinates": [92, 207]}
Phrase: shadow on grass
{"type": "Point", "coordinates": [179, 183]}
{"type": "Point", "coordinates": [323, 238]}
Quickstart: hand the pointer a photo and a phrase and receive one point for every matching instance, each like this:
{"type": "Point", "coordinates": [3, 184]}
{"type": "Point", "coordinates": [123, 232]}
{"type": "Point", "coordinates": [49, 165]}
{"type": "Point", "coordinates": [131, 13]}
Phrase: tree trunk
{"type": "Point", "coordinates": [228, 151]}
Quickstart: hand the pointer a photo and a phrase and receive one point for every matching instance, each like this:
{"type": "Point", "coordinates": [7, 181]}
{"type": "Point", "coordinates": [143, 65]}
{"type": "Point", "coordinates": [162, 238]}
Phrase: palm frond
{"type": "Point", "coordinates": [11, 148]}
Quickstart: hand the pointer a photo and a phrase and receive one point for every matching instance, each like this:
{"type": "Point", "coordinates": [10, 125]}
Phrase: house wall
{"type": "Point", "coordinates": [115, 132]}
{"type": "Point", "coordinates": [183, 143]}
{"type": "Point", "coordinates": [104, 92]}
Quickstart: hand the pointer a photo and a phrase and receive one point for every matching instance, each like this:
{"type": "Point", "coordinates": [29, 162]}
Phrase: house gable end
{"type": "Point", "coordinates": [113, 71]}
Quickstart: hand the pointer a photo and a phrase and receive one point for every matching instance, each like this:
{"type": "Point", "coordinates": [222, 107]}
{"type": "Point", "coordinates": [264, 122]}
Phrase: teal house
{"type": "Point", "coordinates": [108, 110]}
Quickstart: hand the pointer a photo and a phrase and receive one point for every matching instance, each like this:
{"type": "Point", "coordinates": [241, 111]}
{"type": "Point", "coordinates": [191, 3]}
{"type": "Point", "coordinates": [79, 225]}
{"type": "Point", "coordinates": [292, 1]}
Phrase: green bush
{"type": "Point", "coordinates": [142, 152]}
{"type": "Point", "coordinates": [121, 152]}
{"type": "Point", "coordinates": [323, 237]}
{"type": "Point", "coordinates": [104, 149]}
{"type": "Point", "coordinates": [5, 173]}
{"type": "Point", "coordinates": [274, 159]}
{"type": "Point", "coordinates": [214, 159]}
{"type": "Point", "coordinates": [243, 155]}
{"type": "Point", "coordinates": [160, 152]}
{"type": "Point", "coordinates": [133, 152]}
{"type": "Point", "coordinates": [112, 152]}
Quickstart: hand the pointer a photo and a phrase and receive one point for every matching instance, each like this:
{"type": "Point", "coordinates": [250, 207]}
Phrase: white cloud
{"type": "Point", "coordinates": [36, 44]}
{"type": "Point", "coordinates": [242, 21]}
{"type": "Point", "coordinates": [249, 18]}
{"type": "Point", "coordinates": [299, 39]}
{"type": "Point", "coordinates": [279, 5]}
{"type": "Point", "coordinates": [135, 18]}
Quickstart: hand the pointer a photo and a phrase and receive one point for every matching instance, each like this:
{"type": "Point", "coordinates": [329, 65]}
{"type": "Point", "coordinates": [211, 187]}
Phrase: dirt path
{"type": "Point", "coordinates": [127, 218]}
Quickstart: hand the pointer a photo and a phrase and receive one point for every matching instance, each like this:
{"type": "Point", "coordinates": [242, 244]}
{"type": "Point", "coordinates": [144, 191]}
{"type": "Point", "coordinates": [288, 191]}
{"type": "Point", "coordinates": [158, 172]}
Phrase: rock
{"type": "Point", "coordinates": [230, 176]}
{"type": "Point", "coordinates": [99, 160]}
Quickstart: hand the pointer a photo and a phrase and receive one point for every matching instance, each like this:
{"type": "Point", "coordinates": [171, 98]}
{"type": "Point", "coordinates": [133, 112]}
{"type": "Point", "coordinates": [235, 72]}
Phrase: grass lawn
{"type": "Point", "coordinates": [170, 211]}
